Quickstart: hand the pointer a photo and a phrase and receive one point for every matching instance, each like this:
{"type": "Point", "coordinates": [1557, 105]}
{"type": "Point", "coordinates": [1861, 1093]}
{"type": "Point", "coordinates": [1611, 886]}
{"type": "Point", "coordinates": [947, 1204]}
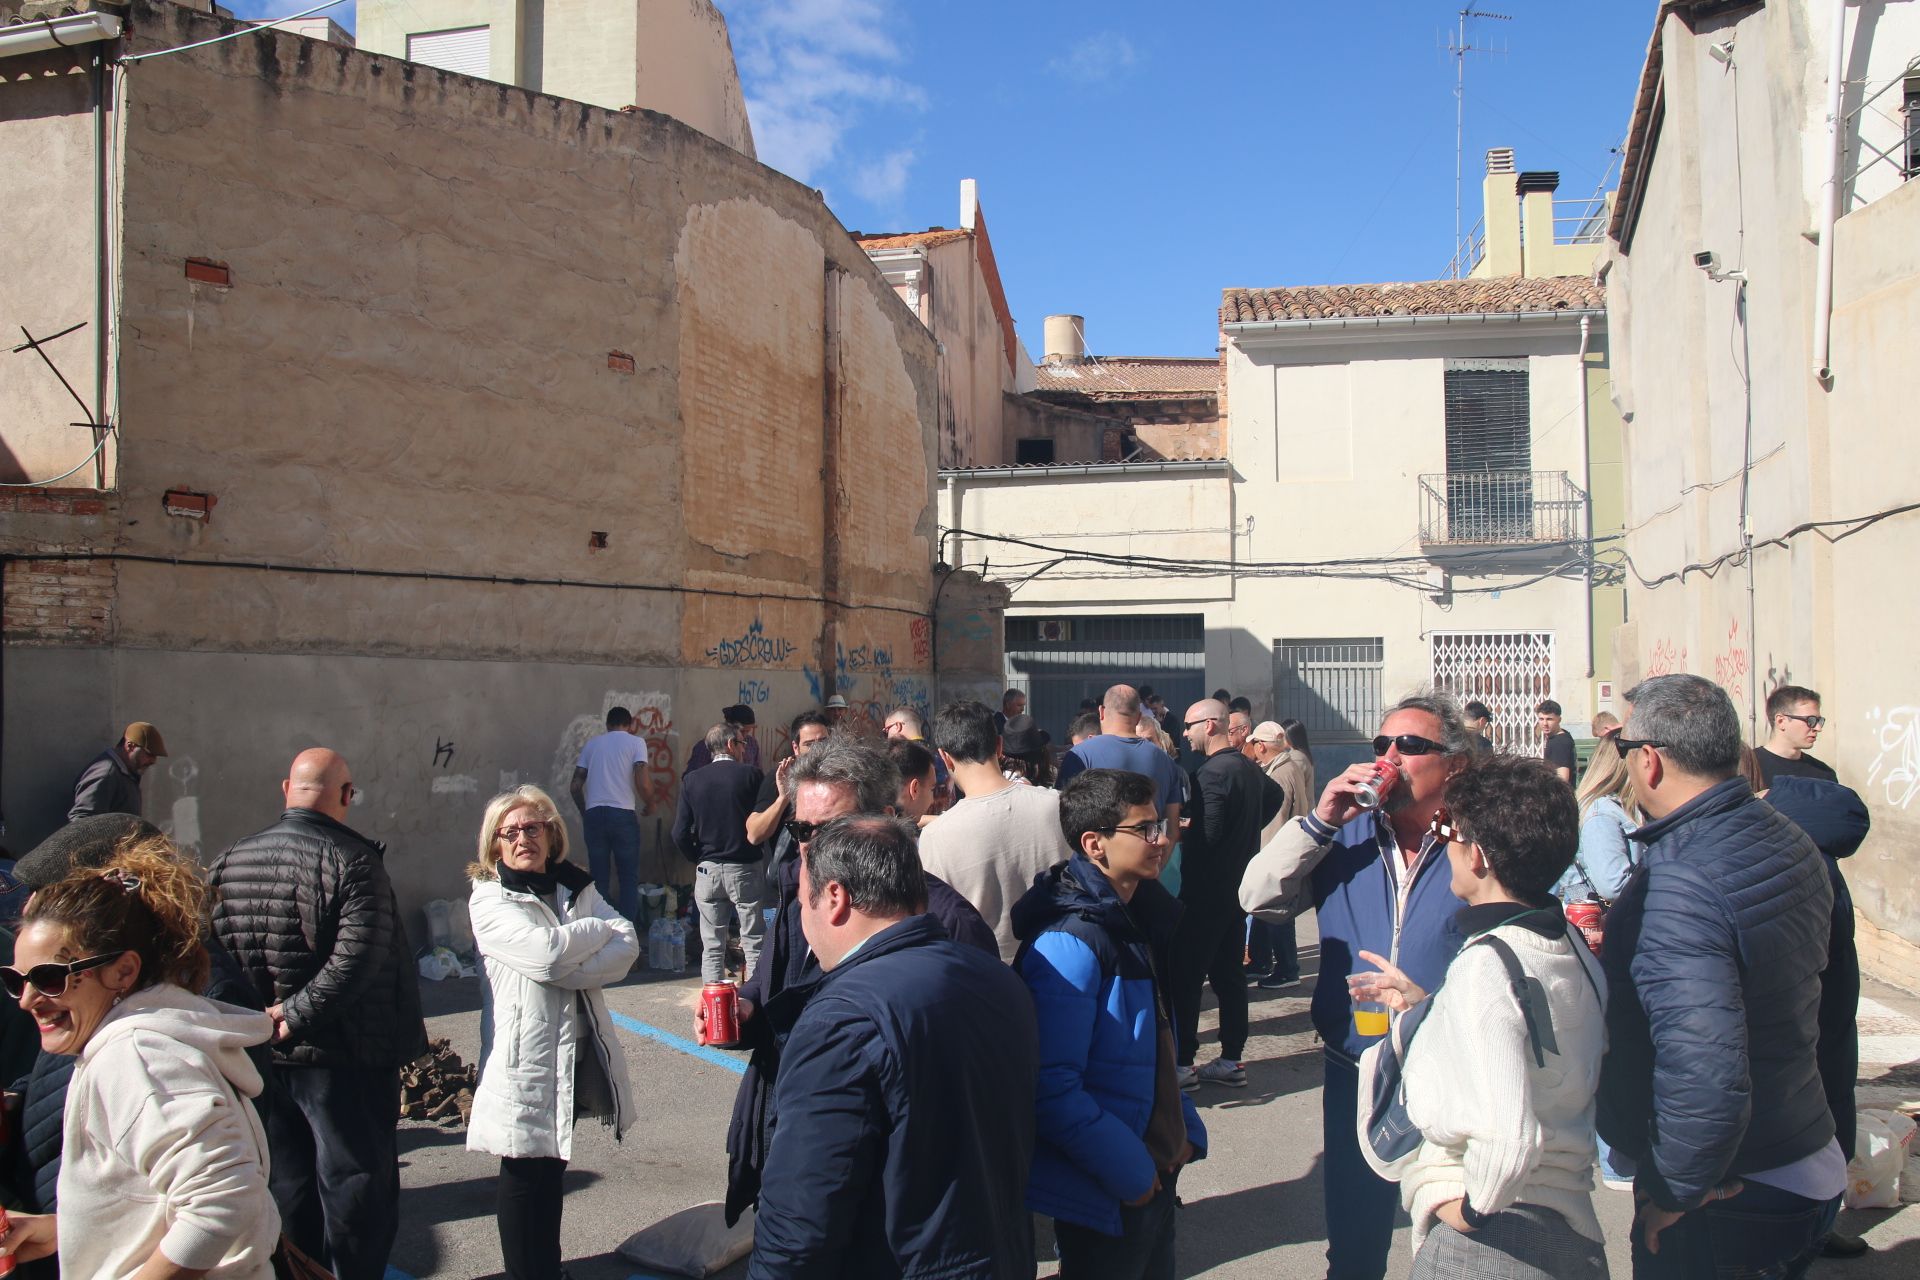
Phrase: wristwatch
{"type": "Point", "coordinates": [1471, 1216]}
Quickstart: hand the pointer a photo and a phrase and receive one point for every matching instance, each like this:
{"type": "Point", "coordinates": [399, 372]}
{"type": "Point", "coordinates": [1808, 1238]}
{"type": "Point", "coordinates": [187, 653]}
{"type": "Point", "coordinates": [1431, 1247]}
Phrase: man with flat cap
{"type": "Point", "coordinates": [740, 715]}
{"type": "Point", "coordinates": [111, 784]}
{"type": "Point", "coordinates": [308, 911]}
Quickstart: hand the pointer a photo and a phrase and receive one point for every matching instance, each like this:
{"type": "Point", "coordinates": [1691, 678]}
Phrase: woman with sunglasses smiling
{"type": "Point", "coordinates": [164, 1168]}
{"type": "Point", "coordinates": [1501, 1074]}
{"type": "Point", "coordinates": [549, 942]}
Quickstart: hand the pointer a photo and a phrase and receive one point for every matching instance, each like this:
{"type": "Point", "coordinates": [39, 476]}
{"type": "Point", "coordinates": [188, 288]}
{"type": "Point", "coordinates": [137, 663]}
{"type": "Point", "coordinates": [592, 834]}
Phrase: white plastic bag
{"type": "Point", "coordinates": [693, 1242]}
{"type": "Point", "coordinates": [439, 964]}
{"type": "Point", "coordinates": [1879, 1158]}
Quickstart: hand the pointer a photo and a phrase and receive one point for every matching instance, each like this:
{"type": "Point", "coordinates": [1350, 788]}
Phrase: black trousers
{"type": "Point", "coordinates": [528, 1206]}
{"type": "Point", "coordinates": [1208, 946]}
{"type": "Point", "coordinates": [336, 1166]}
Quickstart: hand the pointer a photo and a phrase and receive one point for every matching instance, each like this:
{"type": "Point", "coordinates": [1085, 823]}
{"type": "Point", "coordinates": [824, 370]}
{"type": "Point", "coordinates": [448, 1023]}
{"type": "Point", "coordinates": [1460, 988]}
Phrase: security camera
{"type": "Point", "coordinates": [1709, 261]}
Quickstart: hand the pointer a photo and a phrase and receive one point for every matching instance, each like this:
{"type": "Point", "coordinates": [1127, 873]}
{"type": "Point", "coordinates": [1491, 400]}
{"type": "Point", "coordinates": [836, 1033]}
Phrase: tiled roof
{"type": "Point", "coordinates": [913, 239]}
{"type": "Point", "coordinates": [1152, 376]}
{"type": "Point", "coordinates": [1495, 295]}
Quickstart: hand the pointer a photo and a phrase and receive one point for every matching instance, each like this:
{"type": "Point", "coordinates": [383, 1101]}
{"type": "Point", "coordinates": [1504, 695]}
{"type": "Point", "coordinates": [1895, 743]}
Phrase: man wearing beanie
{"type": "Point", "coordinates": [111, 784]}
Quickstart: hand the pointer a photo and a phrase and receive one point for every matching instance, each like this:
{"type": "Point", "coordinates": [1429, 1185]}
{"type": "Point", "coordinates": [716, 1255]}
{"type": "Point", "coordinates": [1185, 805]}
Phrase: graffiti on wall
{"type": "Point", "coordinates": [1776, 677]}
{"type": "Point", "coordinates": [1730, 667]}
{"type": "Point", "coordinates": [1896, 770]}
{"type": "Point", "coordinates": [970, 627]}
{"type": "Point", "coordinates": [753, 693]}
{"type": "Point", "coordinates": [653, 711]}
{"type": "Point", "coordinates": [752, 648]}
{"type": "Point", "coordinates": [864, 676]}
{"type": "Point", "coordinates": [922, 632]}
{"type": "Point", "coordinates": [1665, 659]}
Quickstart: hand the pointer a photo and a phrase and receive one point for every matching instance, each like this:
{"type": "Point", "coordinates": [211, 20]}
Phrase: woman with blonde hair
{"type": "Point", "coordinates": [164, 1162]}
{"type": "Point", "coordinates": [1608, 812]}
{"type": "Point", "coordinates": [548, 942]}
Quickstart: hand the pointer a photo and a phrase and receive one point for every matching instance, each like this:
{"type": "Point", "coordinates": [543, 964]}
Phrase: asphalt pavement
{"type": "Point", "coordinates": [1251, 1209]}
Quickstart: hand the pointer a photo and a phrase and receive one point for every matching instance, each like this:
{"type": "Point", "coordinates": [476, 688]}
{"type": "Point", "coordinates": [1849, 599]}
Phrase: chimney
{"type": "Point", "coordinates": [1501, 217]}
{"type": "Point", "coordinates": [1536, 221]}
{"type": "Point", "coordinates": [1066, 338]}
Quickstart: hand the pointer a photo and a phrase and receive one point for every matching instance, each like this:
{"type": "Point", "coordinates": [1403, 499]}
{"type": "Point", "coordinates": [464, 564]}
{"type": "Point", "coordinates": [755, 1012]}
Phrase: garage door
{"type": "Point", "coordinates": [1059, 661]}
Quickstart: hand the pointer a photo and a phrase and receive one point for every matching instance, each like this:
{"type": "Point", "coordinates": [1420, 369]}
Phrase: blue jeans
{"type": "Point", "coordinates": [1360, 1203]}
{"type": "Point", "coordinates": [613, 844]}
{"type": "Point", "coordinates": [1763, 1233]}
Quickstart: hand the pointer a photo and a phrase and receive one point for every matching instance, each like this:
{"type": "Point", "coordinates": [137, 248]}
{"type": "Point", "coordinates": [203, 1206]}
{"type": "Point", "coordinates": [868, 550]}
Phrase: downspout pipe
{"type": "Point", "coordinates": [1586, 477]}
{"type": "Point", "coordinates": [1830, 198]}
{"type": "Point", "coordinates": [102, 279]}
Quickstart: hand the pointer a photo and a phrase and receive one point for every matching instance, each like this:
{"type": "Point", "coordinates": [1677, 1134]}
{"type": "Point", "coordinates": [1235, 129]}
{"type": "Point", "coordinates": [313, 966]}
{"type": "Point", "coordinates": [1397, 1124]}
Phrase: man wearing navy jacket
{"type": "Point", "coordinates": [1381, 885]}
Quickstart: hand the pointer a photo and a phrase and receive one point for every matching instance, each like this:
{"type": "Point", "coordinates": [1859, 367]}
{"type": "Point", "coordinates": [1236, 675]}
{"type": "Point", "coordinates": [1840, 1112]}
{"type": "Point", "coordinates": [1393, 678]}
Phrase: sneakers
{"type": "Point", "coordinates": [1614, 1183]}
{"type": "Point", "coordinates": [1187, 1078]}
{"type": "Point", "coordinates": [1278, 982]}
{"type": "Point", "coordinates": [1222, 1071]}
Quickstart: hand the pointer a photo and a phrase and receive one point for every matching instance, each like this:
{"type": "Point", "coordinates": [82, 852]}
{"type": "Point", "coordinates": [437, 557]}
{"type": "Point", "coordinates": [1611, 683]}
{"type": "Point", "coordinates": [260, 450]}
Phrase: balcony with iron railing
{"type": "Point", "coordinates": [1515, 509]}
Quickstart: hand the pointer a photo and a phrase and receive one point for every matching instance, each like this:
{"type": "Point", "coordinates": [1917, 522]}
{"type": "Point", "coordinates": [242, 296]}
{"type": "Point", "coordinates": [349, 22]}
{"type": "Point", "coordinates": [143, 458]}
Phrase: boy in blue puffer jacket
{"type": "Point", "coordinates": [1113, 1128]}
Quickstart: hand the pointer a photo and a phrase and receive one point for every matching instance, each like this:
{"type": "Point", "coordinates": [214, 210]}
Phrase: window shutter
{"type": "Point", "coordinates": [467, 50]}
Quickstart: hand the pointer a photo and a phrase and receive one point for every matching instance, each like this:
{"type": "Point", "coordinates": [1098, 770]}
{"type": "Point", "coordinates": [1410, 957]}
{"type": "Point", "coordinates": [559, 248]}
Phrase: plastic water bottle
{"type": "Point", "coordinates": [676, 946]}
{"type": "Point", "coordinates": [657, 945]}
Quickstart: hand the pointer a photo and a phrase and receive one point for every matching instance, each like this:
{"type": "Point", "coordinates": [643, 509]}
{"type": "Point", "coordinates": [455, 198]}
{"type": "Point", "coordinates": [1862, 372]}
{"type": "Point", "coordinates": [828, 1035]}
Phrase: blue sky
{"type": "Point", "coordinates": [1134, 158]}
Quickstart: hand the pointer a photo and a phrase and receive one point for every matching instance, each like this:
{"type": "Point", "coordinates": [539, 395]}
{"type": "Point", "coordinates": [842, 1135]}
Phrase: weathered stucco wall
{"type": "Point", "coordinates": [1821, 613]}
{"type": "Point", "coordinates": [504, 396]}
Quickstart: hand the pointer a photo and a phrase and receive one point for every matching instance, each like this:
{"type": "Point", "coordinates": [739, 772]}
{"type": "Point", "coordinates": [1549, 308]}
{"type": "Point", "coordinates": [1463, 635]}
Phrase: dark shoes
{"type": "Point", "coordinates": [1843, 1246]}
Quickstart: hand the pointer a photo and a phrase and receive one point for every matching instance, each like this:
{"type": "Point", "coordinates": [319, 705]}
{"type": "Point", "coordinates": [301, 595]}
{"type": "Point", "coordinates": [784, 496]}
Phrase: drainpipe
{"type": "Point", "coordinates": [1829, 200]}
{"type": "Point", "coordinates": [101, 279]}
{"type": "Point", "coordinates": [1586, 477]}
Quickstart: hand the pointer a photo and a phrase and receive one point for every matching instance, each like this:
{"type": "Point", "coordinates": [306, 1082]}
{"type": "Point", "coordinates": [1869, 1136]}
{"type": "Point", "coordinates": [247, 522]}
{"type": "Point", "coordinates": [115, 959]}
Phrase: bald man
{"type": "Point", "coordinates": [307, 910]}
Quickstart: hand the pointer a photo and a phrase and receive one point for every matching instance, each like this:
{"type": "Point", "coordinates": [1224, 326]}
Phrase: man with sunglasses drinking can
{"type": "Point", "coordinates": [1794, 713]}
{"type": "Point", "coordinates": [1378, 878]}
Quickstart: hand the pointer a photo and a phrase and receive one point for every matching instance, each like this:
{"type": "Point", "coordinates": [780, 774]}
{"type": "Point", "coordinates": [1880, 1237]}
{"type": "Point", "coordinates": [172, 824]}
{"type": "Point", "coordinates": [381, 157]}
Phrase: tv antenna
{"type": "Point", "coordinates": [1458, 47]}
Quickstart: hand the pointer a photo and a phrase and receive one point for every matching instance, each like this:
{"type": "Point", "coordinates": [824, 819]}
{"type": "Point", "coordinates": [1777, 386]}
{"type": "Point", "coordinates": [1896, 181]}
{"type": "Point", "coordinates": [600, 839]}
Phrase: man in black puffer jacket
{"type": "Point", "coordinates": [1713, 958]}
{"type": "Point", "coordinates": [308, 912]}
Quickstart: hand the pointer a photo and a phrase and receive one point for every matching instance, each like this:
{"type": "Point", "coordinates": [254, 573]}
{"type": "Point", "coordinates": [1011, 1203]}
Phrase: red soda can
{"type": "Point", "coordinates": [7, 1262]}
{"type": "Point", "coordinates": [1590, 919]}
{"type": "Point", "coordinates": [722, 1003]}
{"type": "Point", "coordinates": [1374, 792]}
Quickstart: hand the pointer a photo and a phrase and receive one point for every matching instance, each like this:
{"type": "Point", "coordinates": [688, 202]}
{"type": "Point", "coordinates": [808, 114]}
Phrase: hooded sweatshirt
{"type": "Point", "coordinates": [160, 1149]}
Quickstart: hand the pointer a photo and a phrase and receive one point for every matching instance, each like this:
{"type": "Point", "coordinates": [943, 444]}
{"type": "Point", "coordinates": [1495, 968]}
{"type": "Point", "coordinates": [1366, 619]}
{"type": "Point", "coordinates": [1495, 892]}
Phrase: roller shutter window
{"type": "Point", "coordinates": [467, 50]}
{"type": "Point", "coordinates": [1489, 451]}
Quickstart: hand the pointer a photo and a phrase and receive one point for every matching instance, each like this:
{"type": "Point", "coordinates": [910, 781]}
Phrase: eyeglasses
{"type": "Point", "coordinates": [527, 829]}
{"type": "Point", "coordinates": [1627, 744]}
{"type": "Point", "coordinates": [1812, 722]}
{"type": "Point", "coordinates": [50, 979]}
{"type": "Point", "coordinates": [1151, 832]}
{"type": "Point", "coordinates": [802, 831]}
{"type": "Point", "coordinates": [1202, 720]}
{"type": "Point", "coordinates": [1445, 827]}
{"type": "Point", "coordinates": [1410, 744]}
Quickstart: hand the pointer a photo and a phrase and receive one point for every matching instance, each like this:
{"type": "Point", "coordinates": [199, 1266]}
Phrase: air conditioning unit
{"type": "Point", "coordinates": [1055, 630]}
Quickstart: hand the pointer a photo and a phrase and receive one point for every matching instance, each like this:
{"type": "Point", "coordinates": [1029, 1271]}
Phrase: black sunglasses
{"type": "Point", "coordinates": [1410, 744]}
{"type": "Point", "coordinates": [1812, 722]}
{"type": "Point", "coordinates": [50, 979]}
{"type": "Point", "coordinates": [802, 831]}
{"type": "Point", "coordinates": [1627, 744]}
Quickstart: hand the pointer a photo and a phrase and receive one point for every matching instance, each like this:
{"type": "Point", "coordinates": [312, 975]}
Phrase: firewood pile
{"type": "Point", "coordinates": [438, 1086]}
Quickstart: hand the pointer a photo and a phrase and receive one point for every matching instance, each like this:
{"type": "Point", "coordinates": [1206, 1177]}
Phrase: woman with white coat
{"type": "Point", "coordinates": [548, 942]}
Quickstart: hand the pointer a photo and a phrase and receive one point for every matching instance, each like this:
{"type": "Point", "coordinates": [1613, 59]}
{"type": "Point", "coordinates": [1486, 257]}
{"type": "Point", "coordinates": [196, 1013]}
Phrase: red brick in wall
{"type": "Point", "coordinates": [54, 601]}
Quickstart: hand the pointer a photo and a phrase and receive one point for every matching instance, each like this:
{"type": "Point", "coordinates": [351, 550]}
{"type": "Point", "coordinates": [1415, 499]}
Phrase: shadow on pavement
{"type": "Point", "coordinates": [1226, 1228]}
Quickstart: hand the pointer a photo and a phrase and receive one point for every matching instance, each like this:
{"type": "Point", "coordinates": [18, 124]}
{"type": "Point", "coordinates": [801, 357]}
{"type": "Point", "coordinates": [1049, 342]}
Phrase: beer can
{"type": "Point", "coordinates": [1372, 793]}
{"type": "Point", "coordinates": [722, 1002]}
{"type": "Point", "coordinates": [1589, 918]}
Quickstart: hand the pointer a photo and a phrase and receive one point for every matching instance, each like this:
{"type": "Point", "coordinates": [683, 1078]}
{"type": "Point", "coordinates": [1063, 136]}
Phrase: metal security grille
{"type": "Point", "coordinates": [1330, 686]}
{"type": "Point", "coordinates": [1510, 671]}
{"type": "Point", "coordinates": [1060, 660]}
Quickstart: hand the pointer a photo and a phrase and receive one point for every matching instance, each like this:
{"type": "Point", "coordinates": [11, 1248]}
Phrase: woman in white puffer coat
{"type": "Point", "coordinates": [548, 943]}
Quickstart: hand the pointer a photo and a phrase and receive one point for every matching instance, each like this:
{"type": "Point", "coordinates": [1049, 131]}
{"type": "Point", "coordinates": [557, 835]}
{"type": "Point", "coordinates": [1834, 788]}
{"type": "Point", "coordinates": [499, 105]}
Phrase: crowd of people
{"type": "Point", "coordinates": [971, 974]}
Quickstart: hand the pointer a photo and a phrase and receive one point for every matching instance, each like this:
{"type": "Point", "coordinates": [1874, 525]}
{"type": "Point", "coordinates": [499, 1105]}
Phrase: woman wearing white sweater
{"type": "Point", "coordinates": [1501, 1086]}
{"type": "Point", "coordinates": [164, 1167]}
{"type": "Point", "coordinates": [549, 942]}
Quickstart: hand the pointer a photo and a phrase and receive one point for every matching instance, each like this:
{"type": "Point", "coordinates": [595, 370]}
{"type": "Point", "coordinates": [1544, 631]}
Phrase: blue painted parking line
{"type": "Point", "coordinates": [717, 1057]}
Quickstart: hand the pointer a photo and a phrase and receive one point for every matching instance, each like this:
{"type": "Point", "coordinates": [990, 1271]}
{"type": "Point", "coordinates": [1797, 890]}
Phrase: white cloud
{"type": "Point", "coordinates": [810, 70]}
{"type": "Point", "coordinates": [883, 182]}
{"type": "Point", "coordinates": [1100, 56]}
